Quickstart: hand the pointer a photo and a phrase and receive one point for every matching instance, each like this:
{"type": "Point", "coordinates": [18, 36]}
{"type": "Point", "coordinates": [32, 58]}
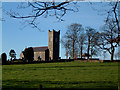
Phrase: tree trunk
{"type": "Point", "coordinates": [88, 53]}
{"type": "Point", "coordinates": [81, 51]}
{"type": "Point", "coordinates": [112, 55]}
{"type": "Point", "coordinates": [91, 56]}
{"type": "Point", "coordinates": [112, 49]}
{"type": "Point", "coordinates": [88, 47]}
{"type": "Point", "coordinates": [73, 47]}
{"type": "Point", "coordinates": [91, 53]}
{"type": "Point", "coordinates": [66, 54]}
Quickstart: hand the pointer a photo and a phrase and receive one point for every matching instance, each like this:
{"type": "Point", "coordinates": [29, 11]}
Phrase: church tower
{"type": "Point", "coordinates": [53, 44]}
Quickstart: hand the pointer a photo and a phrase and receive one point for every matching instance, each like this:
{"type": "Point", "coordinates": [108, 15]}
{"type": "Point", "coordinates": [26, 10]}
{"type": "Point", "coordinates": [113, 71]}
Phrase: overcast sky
{"type": "Point", "coordinates": [14, 36]}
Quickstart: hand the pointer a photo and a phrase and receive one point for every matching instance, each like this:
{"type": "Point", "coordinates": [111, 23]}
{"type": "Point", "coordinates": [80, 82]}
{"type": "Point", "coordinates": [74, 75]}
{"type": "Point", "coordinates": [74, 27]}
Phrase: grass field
{"type": "Point", "coordinates": [61, 75]}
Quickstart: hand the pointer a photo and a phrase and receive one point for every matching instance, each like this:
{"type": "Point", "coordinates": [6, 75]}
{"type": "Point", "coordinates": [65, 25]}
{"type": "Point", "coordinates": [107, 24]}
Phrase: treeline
{"type": "Point", "coordinates": [79, 41]}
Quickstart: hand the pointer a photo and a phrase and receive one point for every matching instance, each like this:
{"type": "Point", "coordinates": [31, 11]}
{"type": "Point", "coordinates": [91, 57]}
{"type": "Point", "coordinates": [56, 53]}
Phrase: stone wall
{"type": "Point", "coordinates": [90, 60]}
{"type": "Point", "coordinates": [41, 54]}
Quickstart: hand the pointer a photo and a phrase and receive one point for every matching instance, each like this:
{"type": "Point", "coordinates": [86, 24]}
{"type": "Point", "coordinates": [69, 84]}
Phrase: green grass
{"type": "Point", "coordinates": [61, 75]}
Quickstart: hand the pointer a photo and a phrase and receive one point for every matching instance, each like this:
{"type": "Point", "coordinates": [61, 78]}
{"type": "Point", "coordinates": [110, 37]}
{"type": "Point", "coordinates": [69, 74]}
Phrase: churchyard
{"type": "Point", "coordinates": [75, 75]}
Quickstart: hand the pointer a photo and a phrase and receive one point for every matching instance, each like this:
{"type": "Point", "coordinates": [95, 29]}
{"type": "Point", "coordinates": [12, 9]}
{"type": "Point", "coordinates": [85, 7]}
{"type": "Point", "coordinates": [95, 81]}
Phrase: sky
{"type": "Point", "coordinates": [14, 36]}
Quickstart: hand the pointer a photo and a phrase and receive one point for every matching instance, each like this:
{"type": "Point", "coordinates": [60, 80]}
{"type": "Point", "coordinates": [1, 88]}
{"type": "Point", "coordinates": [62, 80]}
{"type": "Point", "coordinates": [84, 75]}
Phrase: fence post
{"type": "Point", "coordinates": [40, 87]}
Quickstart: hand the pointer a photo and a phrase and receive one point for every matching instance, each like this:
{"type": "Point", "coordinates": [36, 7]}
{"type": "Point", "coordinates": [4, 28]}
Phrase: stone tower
{"type": "Point", "coordinates": [53, 44]}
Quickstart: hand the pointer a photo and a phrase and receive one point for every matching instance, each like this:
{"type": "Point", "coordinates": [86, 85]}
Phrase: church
{"type": "Point", "coordinates": [50, 52]}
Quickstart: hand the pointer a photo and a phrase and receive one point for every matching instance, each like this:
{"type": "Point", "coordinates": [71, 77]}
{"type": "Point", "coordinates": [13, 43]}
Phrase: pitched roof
{"type": "Point", "coordinates": [38, 49]}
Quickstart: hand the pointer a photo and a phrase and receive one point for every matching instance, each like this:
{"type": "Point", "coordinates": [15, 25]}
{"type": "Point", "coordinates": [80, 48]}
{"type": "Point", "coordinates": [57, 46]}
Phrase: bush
{"type": "Point", "coordinates": [28, 54]}
{"type": "Point", "coordinates": [4, 58]}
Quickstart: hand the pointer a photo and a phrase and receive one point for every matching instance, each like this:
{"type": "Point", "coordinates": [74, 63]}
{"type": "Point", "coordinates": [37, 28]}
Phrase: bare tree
{"type": "Point", "coordinates": [38, 9]}
{"type": "Point", "coordinates": [106, 40]}
{"type": "Point", "coordinates": [94, 50]}
{"type": "Point", "coordinates": [114, 14]}
{"type": "Point", "coordinates": [111, 12]}
{"type": "Point", "coordinates": [70, 39]}
{"type": "Point", "coordinates": [75, 39]}
{"type": "Point", "coordinates": [90, 33]}
{"type": "Point", "coordinates": [81, 42]}
{"type": "Point", "coordinates": [66, 45]}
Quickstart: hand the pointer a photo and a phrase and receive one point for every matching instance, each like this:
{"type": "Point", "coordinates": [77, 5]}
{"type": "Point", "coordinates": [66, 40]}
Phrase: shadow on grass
{"type": "Point", "coordinates": [59, 88]}
{"type": "Point", "coordinates": [23, 85]}
{"type": "Point", "coordinates": [50, 67]}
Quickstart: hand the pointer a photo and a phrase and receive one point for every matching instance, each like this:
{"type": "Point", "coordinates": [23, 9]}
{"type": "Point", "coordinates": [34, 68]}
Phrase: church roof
{"type": "Point", "coordinates": [38, 49]}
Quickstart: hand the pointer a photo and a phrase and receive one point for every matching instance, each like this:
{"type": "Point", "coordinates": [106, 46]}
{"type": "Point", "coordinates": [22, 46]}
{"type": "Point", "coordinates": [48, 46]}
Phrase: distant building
{"type": "Point", "coordinates": [47, 53]}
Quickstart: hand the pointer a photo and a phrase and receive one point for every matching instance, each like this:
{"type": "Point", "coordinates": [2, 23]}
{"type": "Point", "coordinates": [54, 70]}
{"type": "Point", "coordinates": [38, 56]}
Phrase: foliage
{"type": "Point", "coordinates": [12, 54]}
{"type": "Point", "coordinates": [3, 58]}
{"type": "Point", "coordinates": [28, 54]}
{"type": "Point", "coordinates": [61, 75]}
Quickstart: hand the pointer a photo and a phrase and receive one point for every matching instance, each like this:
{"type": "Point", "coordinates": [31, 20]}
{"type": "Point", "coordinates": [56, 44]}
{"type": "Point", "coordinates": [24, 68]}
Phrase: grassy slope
{"type": "Point", "coordinates": [61, 75]}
